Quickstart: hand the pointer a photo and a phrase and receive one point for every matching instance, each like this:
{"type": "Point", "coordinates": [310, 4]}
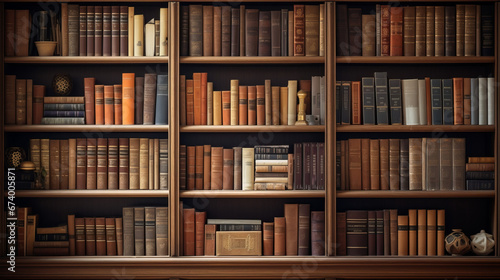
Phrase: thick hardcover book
{"type": "Point", "coordinates": [98, 28]}
{"type": "Point", "coordinates": [460, 27]}
{"type": "Point", "coordinates": [260, 104]}
{"type": "Point", "coordinates": [431, 232]}
{"type": "Point", "coordinates": [89, 84]}
{"type": "Point", "coordinates": [206, 166]}
{"type": "Point", "coordinates": [79, 236]}
{"type": "Point", "coordinates": [90, 237]}
{"type": "Point", "coordinates": [163, 163]}
{"type": "Point", "coordinates": [242, 30]}
{"type": "Point", "coordinates": [91, 163]}
{"type": "Point", "coordinates": [123, 164]}
{"type": "Point", "coordinates": [112, 163]}
{"type": "Point", "coordinates": [90, 30]}
{"type": "Point", "coordinates": [409, 22]}
{"type": "Point", "coordinates": [111, 242]}
{"type": "Point", "coordinates": [420, 29]}
{"type": "Point", "coordinates": [225, 107]}
{"type": "Point", "coordinates": [106, 31]}
{"type": "Point", "coordinates": [234, 98]}
{"type": "Point", "coordinates": [467, 101]}
{"type": "Point", "coordinates": [99, 104]}
{"type": "Point", "coordinates": [83, 30]}
{"type": "Point", "coordinates": [115, 30]}
{"type": "Point", "coordinates": [217, 33]}
{"type": "Point", "coordinates": [396, 99]}
{"type": "Point", "coordinates": [342, 30]}
{"type": "Point", "coordinates": [440, 229]}
{"type": "Point", "coordinates": [208, 30]}
{"type": "Point", "coordinates": [184, 30]}
{"type": "Point", "coordinates": [191, 167]}
{"type": "Point", "coordinates": [394, 156]}
{"type": "Point", "coordinates": [210, 102]}
{"type": "Point", "coordinates": [445, 163]}
{"type": "Point", "coordinates": [146, 113]}
{"type": "Point", "coordinates": [437, 102]}
{"type": "Point", "coordinates": [341, 234]}
{"type": "Point", "coordinates": [252, 105]}
{"type": "Point", "coordinates": [134, 163]}
{"type": "Point", "coordinates": [210, 240]}
{"type": "Point", "coordinates": [299, 30]}
{"type": "Point", "coordinates": [365, 164]}
{"type": "Point", "coordinates": [439, 31]}
{"type": "Point", "coordinates": [415, 163]}
{"type": "Point", "coordinates": [226, 31]}
{"type": "Point", "coordinates": [396, 31]}
{"type": "Point", "coordinates": [357, 232]}
{"type": "Point", "coordinates": [117, 101]}
{"type": "Point", "coordinates": [381, 94]}
{"type": "Point", "coordinates": [227, 169]}
{"type": "Point", "coordinates": [235, 31]}
{"type": "Point", "coordinates": [393, 224]}
{"type": "Point", "coordinates": [21, 100]}
{"type": "Point", "coordinates": [279, 236]}
{"type": "Point", "coordinates": [480, 185]}
{"type": "Point", "coordinates": [374, 164]}
{"type": "Point", "coordinates": [10, 33]}
{"type": "Point", "coordinates": [100, 236]}
{"type": "Point", "coordinates": [317, 233]}
{"type": "Point", "coordinates": [458, 163]}
{"type": "Point", "coordinates": [139, 231]}
{"type": "Point", "coordinates": [385, 22]}
{"type": "Point", "coordinates": [304, 237]}
{"type": "Point", "coordinates": [355, 36]}
{"type": "Point", "coordinates": [119, 236]}
{"type": "Point", "coordinates": [247, 169]}
{"type": "Point", "coordinates": [102, 163]}
{"type": "Point", "coordinates": [252, 32]}
{"type": "Point", "coordinates": [189, 233]}
{"type": "Point", "coordinates": [237, 167]}
{"type": "Point", "coordinates": [429, 30]}
{"type": "Point", "coordinates": [200, 219]}
{"type": "Point", "coordinates": [292, 228]}
{"type": "Point", "coordinates": [368, 101]}
{"type": "Point", "coordinates": [379, 232]}
{"type": "Point", "coordinates": [71, 162]}
{"type": "Point", "coordinates": [268, 102]}
{"type": "Point", "coordinates": [195, 30]}
{"type": "Point", "coordinates": [402, 235]}
{"type": "Point", "coordinates": [190, 101]}
{"type": "Point", "coordinates": [487, 31]}
{"type": "Point", "coordinates": [479, 175]}
{"type": "Point", "coordinates": [161, 231]}
{"type": "Point", "coordinates": [422, 232]}
{"type": "Point", "coordinates": [143, 163]}
{"type": "Point", "coordinates": [356, 102]}
{"type": "Point", "coordinates": [312, 26]}
{"type": "Point", "coordinates": [483, 101]}
{"type": "Point", "coordinates": [355, 170]}
{"type": "Point", "coordinates": [202, 101]}
{"type": "Point", "coordinates": [368, 35]}
{"type": "Point", "coordinates": [238, 243]}
{"type": "Point", "coordinates": [470, 30]}
{"type": "Point", "coordinates": [264, 33]}
{"type": "Point", "coordinates": [128, 96]}
{"type": "Point", "coordinates": [182, 167]}
{"type": "Point", "coordinates": [384, 164]}
{"type": "Point", "coordinates": [410, 101]}
{"type": "Point", "coordinates": [372, 237]}
{"type": "Point", "coordinates": [448, 101]}
{"type": "Point", "coordinates": [63, 164]}
{"type": "Point", "coordinates": [109, 105]}
{"type": "Point", "coordinates": [275, 33]}
{"type": "Point", "coordinates": [161, 112]}
{"type": "Point", "coordinates": [268, 239]}
{"type": "Point", "coordinates": [450, 35]}
{"type": "Point", "coordinates": [387, 232]}
{"type": "Point", "coordinates": [81, 163]}
{"type": "Point", "coordinates": [346, 102]}
{"type": "Point", "coordinates": [243, 105]}
{"type": "Point", "coordinates": [73, 29]}
{"type": "Point", "coordinates": [217, 168]}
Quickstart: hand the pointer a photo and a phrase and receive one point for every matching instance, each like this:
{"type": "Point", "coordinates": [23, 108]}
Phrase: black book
{"type": "Point", "coordinates": [448, 101]}
{"type": "Point", "coordinates": [480, 185]}
{"type": "Point", "coordinates": [437, 102]}
{"type": "Point", "coordinates": [368, 94]}
{"type": "Point", "coordinates": [487, 31]}
{"type": "Point", "coordinates": [346, 102]}
{"type": "Point", "coordinates": [338, 102]}
{"type": "Point", "coordinates": [395, 104]}
{"type": "Point", "coordinates": [404, 164]}
{"type": "Point", "coordinates": [480, 175]}
{"type": "Point", "coordinates": [382, 98]}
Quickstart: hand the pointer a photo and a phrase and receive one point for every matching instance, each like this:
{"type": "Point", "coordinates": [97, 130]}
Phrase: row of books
{"type": "Point", "coordinates": [101, 163]}
{"type": "Point", "coordinates": [208, 30]}
{"type": "Point", "coordinates": [138, 100]}
{"type": "Point", "coordinates": [88, 31]}
{"type": "Point", "coordinates": [402, 164]}
{"type": "Point", "coordinates": [145, 231]}
{"type": "Point", "coordinates": [300, 232]}
{"type": "Point", "coordinates": [377, 100]}
{"type": "Point", "coordinates": [385, 233]}
{"type": "Point", "coordinates": [21, 99]}
{"type": "Point", "coordinates": [454, 30]}
{"type": "Point", "coordinates": [264, 104]}
{"type": "Point", "coordinates": [484, 176]}
{"type": "Point", "coordinates": [205, 167]}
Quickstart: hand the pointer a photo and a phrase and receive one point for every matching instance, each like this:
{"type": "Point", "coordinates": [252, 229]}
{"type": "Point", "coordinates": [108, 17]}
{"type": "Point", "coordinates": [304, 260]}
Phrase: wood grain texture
{"type": "Point", "coordinates": [252, 128]}
{"type": "Point", "coordinates": [253, 194]}
{"type": "Point", "coordinates": [415, 128]}
{"type": "Point", "coordinates": [330, 144]}
{"type": "Point", "coordinates": [86, 128]}
{"type": "Point", "coordinates": [415, 59]}
{"type": "Point", "coordinates": [86, 60]}
{"type": "Point", "coordinates": [415, 194]}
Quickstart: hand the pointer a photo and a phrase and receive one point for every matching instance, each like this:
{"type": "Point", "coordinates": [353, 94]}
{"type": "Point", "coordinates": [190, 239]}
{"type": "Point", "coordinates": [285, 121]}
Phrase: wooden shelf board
{"type": "Point", "coordinates": [253, 194]}
{"type": "Point", "coordinates": [87, 59]}
{"type": "Point", "coordinates": [91, 193]}
{"type": "Point", "coordinates": [253, 128]}
{"type": "Point", "coordinates": [253, 59]}
{"type": "Point", "coordinates": [415, 194]}
{"type": "Point", "coordinates": [377, 1]}
{"type": "Point", "coordinates": [252, 267]}
{"type": "Point", "coordinates": [86, 128]}
{"type": "Point", "coordinates": [415, 128]}
{"type": "Point", "coordinates": [415, 59]}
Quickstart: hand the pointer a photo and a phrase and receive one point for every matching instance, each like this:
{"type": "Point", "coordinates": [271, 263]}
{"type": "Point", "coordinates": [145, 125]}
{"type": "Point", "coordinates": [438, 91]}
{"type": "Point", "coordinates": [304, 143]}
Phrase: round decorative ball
{"type": "Point", "coordinates": [14, 156]}
{"type": "Point", "coordinates": [482, 243]}
{"type": "Point", "coordinates": [62, 84]}
{"type": "Point", "coordinates": [457, 243]}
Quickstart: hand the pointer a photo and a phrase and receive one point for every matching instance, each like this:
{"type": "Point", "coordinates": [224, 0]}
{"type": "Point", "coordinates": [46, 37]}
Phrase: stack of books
{"type": "Point", "coordinates": [272, 165]}
{"type": "Point", "coordinates": [480, 173]}
{"type": "Point", "coordinates": [62, 110]}
{"type": "Point", "coordinates": [51, 241]}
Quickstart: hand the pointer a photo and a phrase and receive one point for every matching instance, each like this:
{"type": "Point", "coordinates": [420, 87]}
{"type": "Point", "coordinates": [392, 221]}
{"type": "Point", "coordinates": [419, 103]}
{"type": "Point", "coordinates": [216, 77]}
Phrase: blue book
{"type": "Point", "coordinates": [474, 101]}
{"type": "Point", "coordinates": [437, 102]}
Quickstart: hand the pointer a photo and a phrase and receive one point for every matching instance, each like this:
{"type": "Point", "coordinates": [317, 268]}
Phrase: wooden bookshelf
{"type": "Point", "coordinates": [86, 128]}
{"type": "Point", "coordinates": [91, 193]}
{"type": "Point", "coordinates": [86, 60]}
{"type": "Point", "coordinates": [416, 59]}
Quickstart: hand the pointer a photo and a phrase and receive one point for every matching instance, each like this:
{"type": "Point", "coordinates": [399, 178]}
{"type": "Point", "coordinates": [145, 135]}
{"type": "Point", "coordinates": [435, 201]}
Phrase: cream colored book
{"type": "Point", "coordinates": [292, 102]}
{"type": "Point", "coordinates": [149, 37]}
{"type": "Point", "coordinates": [163, 31]}
{"type": "Point", "coordinates": [139, 35]}
{"type": "Point", "coordinates": [234, 102]}
{"type": "Point", "coordinates": [131, 31]}
{"type": "Point", "coordinates": [284, 105]}
{"type": "Point", "coordinates": [247, 169]}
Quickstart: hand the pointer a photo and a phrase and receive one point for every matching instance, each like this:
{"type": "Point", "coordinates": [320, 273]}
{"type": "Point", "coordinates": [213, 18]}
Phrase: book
{"type": "Point", "coordinates": [227, 169]}
{"type": "Point", "coordinates": [238, 243]}
{"type": "Point", "coordinates": [292, 228]}
{"type": "Point", "coordinates": [268, 239]}
{"type": "Point", "coordinates": [150, 95]}
{"type": "Point", "coordinates": [134, 163]}
{"type": "Point", "coordinates": [111, 242]}
{"type": "Point", "coordinates": [357, 232]}
{"type": "Point", "coordinates": [123, 163]}
{"type": "Point", "coordinates": [439, 31]}
{"type": "Point", "coordinates": [422, 232]}
{"type": "Point", "coordinates": [161, 112]}
{"type": "Point", "coordinates": [409, 26]}
{"type": "Point", "coordinates": [298, 30]}
{"type": "Point", "coordinates": [247, 172]}
{"type": "Point", "coordinates": [410, 101]}
{"type": "Point", "coordinates": [235, 32]}
{"type": "Point", "coordinates": [311, 28]}
{"type": "Point", "coordinates": [431, 232]}
{"type": "Point", "coordinates": [139, 100]}
{"type": "Point", "coordinates": [210, 240]}
{"type": "Point", "coordinates": [90, 237]}
{"type": "Point", "coordinates": [402, 235]}
{"type": "Point", "coordinates": [279, 236]}
{"type": "Point", "coordinates": [200, 218]}
{"type": "Point", "coordinates": [341, 234]}
{"type": "Point", "coordinates": [371, 229]}
{"type": "Point", "coordinates": [100, 236]}
{"type": "Point", "coordinates": [374, 164]}
{"type": "Point", "coordinates": [216, 168]}
{"type": "Point", "coordinates": [102, 163]}
{"type": "Point", "coordinates": [429, 30]}
{"type": "Point", "coordinates": [381, 96]}
{"type": "Point", "coordinates": [317, 233]}
{"type": "Point", "coordinates": [396, 29]}
{"type": "Point", "coordinates": [264, 47]}
{"type": "Point", "coordinates": [368, 35]}
{"type": "Point", "coordinates": [143, 164]}
{"type": "Point", "coordinates": [440, 229]}
{"type": "Point", "coordinates": [139, 231]}
{"type": "Point", "coordinates": [128, 96]}
{"type": "Point", "coordinates": [446, 163]}
{"type": "Point", "coordinates": [304, 229]}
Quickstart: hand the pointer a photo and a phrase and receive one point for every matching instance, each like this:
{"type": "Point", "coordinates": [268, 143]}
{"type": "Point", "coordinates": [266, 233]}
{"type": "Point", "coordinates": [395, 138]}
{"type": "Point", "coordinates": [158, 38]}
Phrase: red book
{"type": "Point", "coordinates": [385, 29]}
{"type": "Point", "coordinates": [203, 88]}
{"type": "Point", "coordinates": [109, 105]}
{"type": "Point", "coordinates": [458, 100]}
{"type": "Point", "coordinates": [91, 163]}
{"type": "Point", "coordinates": [243, 105]}
{"type": "Point", "coordinates": [226, 107]}
{"type": "Point", "coordinates": [38, 94]}
{"type": "Point", "coordinates": [197, 98]}
{"type": "Point", "coordinates": [99, 104]}
{"type": "Point", "coordinates": [128, 95]}
{"type": "Point", "coordinates": [356, 102]}
{"type": "Point", "coordinates": [189, 102]}
{"type": "Point", "coordinates": [189, 232]}
{"type": "Point", "coordinates": [200, 232]}
{"type": "Point", "coordinates": [117, 100]}
{"type": "Point", "coordinates": [261, 105]}
{"type": "Point", "coordinates": [299, 30]}
{"type": "Point", "coordinates": [89, 84]}
{"type": "Point", "coordinates": [396, 39]}
{"type": "Point", "coordinates": [252, 110]}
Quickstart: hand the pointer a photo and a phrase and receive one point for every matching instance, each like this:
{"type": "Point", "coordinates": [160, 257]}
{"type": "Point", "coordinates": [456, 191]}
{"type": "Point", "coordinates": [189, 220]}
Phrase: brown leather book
{"type": "Point", "coordinates": [108, 104]}
{"type": "Point", "coordinates": [106, 31]}
{"type": "Point", "coordinates": [89, 100]}
{"type": "Point", "coordinates": [275, 105]}
{"type": "Point", "coordinates": [372, 237]}
{"type": "Point", "coordinates": [292, 228]}
{"type": "Point", "coordinates": [45, 161]}
{"type": "Point", "coordinates": [446, 163]}
{"type": "Point", "coordinates": [208, 30]}
{"type": "Point", "coordinates": [189, 232]}
{"type": "Point", "coordinates": [280, 236]}
{"type": "Point", "coordinates": [342, 30]}
{"type": "Point", "coordinates": [412, 232]}
{"type": "Point", "coordinates": [206, 167]}
{"type": "Point", "coordinates": [112, 163]}
{"type": "Point", "coordinates": [200, 217]}
{"type": "Point", "coordinates": [341, 234]}
{"type": "Point", "coordinates": [115, 30]}
{"type": "Point", "coordinates": [355, 170]}
{"type": "Point", "coordinates": [268, 102]}
{"type": "Point", "coordinates": [81, 163]}
{"type": "Point", "coordinates": [242, 30]}
{"type": "Point", "coordinates": [252, 32]}
{"type": "Point", "coordinates": [467, 101]}
{"type": "Point", "coordinates": [110, 229]}
{"type": "Point", "coordinates": [182, 97]}
{"type": "Point", "coordinates": [393, 222]}
{"type": "Point", "coordinates": [298, 30]}
{"type": "Point", "coordinates": [450, 36]}
{"type": "Point", "coordinates": [365, 164]}
{"type": "Point", "coordinates": [91, 163]}
{"type": "Point", "coordinates": [275, 33]}
{"type": "Point", "coordinates": [234, 99]}
{"type": "Point", "coordinates": [189, 102]}
{"type": "Point", "coordinates": [237, 151]}
{"type": "Point", "coordinates": [422, 232]}
{"type": "Point", "coordinates": [71, 162]}
{"type": "Point", "coordinates": [23, 214]}
{"type": "Point", "coordinates": [458, 164]}
{"type": "Point", "coordinates": [291, 29]}
{"type": "Point", "coordinates": [252, 105]}
{"type": "Point", "coordinates": [227, 169]}
{"type": "Point", "coordinates": [148, 111]}
{"type": "Point", "coordinates": [99, 104]}
{"type": "Point", "coordinates": [304, 237]}
{"type": "Point", "coordinates": [123, 164]}
{"type": "Point", "coordinates": [460, 25]}
{"type": "Point", "coordinates": [317, 233]}
{"type": "Point", "coordinates": [409, 14]}
{"type": "Point", "coordinates": [243, 105]}
{"type": "Point", "coordinates": [117, 100]}
{"type": "Point", "coordinates": [217, 168]}
{"type": "Point", "coordinates": [217, 107]}
{"type": "Point", "coordinates": [204, 92]}
{"type": "Point", "coordinates": [143, 163]}
{"type": "Point", "coordinates": [128, 231]}
{"type": "Point", "coordinates": [440, 235]}
{"type": "Point", "coordinates": [64, 164]}
{"type": "Point", "coordinates": [217, 36]}
{"type": "Point", "coordinates": [458, 100]}
{"type": "Point", "coordinates": [22, 29]}
{"type": "Point", "coordinates": [284, 105]}
{"type": "Point", "coordinates": [357, 232]}
{"type": "Point", "coordinates": [384, 164]}
{"type": "Point", "coordinates": [415, 164]}
{"type": "Point", "coordinates": [160, 231]}
{"type": "Point", "coordinates": [264, 33]}
{"type": "Point", "coordinates": [439, 30]}
{"type": "Point", "coordinates": [100, 236]}
{"type": "Point", "coordinates": [431, 232]}
{"type": "Point", "coordinates": [83, 30]}
{"type": "Point", "coordinates": [226, 31]}
{"type": "Point", "coordinates": [402, 235]}
{"type": "Point", "coordinates": [311, 30]}
{"type": "Point", "coordinates": [420, 29]}
{"type": "Point", "coordinates": [79, 236]}
{"type": "Point", "coordinates": [268, 239]}
{"type": "Point", "coordinates": [134, 163]}
{"type": "Point", "coordinates": [431, 170]}
{"type": "Point", "coordinates": [261, 105]}
{"type": "Point", "coordinates": [356, 102]}
{"type": "Point", "coordinates": [182, 167]}
{"type": "Point", "coordinates": [197, 98]}
{"type": "Point", "coordinates": [470, 30]}
{"type": "Point", "coordinates": [102, 163]}
{"type": "Point", "coordinates": [428, 100]}
{"type": "Point", "coordinates": [210, 240]}
{"type": "Point", "coordinates": [374, 164]}
{"type": "Point", "coordinates": [394, 164]}
{"type": "Point", "coordinates": [226, 107]}
{"type": "Point", "coordinates": [151, 162]}
{"type": "Point", "coordinates": [195, 30]}
{"type": "Point", "coordinates": [139, 231]}
{"type": "Point", "coordinates": [385, 29]}
{"type": "Point", "coordinates": [396, 39]}
{"type": "Point", "coordinates": [29, 102]}
{"type": "Point", "coordinates": [380, 232]}
{"type": "Point", "coordinates": [479, 167]}
{"type": "Point", "coordinates": [198, 174]}
{"type": "Point", "coordinates": [368, 35]}
{"type": "Point", "coordinates": [235, 31]}
{"type": "Point", "coordinates": [10, 31]}
{"type": "Point", "coordinates": [90, 238]}
{"type": "Point", "coordinates": [355, 34]}
{"type": "Point", "coordinates": [387, 232]}
{"type": "Point", "coordinates": [98, 18]}
{"type": "Point", "coordinates": [430, 30]}
{"type": "Point", "coordinates": [90, 30]}
{"type": "Point", "coordinates": [191, 167]}
{"type": "Point", "coordinates": [119, 236]}
{"type": "Point", "coordinates": [124, 31]}
{"type": "Point", "coordinates": [21, 100]}
{"type": "Point", "coordinates": [128, 96]}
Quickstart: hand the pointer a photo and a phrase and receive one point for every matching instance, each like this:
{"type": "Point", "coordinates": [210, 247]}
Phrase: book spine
{"type": "Point", "coordinates": [21, 100]}
{"type": "Point", "coordinates": [234, 98]}
{"type": "Point", "coordinates": [163, 162]}
{"type": "Point", "coordinates": [189, 232]}
{"type": "Point", "coordinates": [139, 231]}
{"type": "Point", "coordinates": [115, 30]}
{"type": "Point", "coordinates": [199, 159]}
{"type": "Point", "coordinates": [396, 31]}
{"type": "Point", "coordinates": [430, 30]}
{"type": "Point", "coordinates": [260, 105]}
{"type": "Point", "coordinates": [227, 169]}
{"type": "Point", "coordinates": [210, 240]}
{"type": "Point", "coordinates": [252, 105]}
{"type": "Point", "coordinates": [235, 32]}
{"type": "Point", "coordinates": [200, 218]}
{"type": "Point", "coordinates": [206, 166]}
{"type": "Point", "coordinates": [357, 232]}
{"type": "Point", "coordinates": [402, 235]}
{"type": "Point", "coordinates": [161, 221]}
{"type": "Point", "coordinates": [264, 48]}
{"type": "Point", "coordinates": [304, 231]}
{"type": "Point", "coordinates": [147, 112]}
{"type": "Point", "coordinates": [217, 168]}
{"type": "Point", "coordinates": [128, 96]}
{"type": "Point", "coordinates": [110, 232]}
{"type": "Point", "coordinates": [439, 31]}
{"type": "Point", "coordinates": [298, 30]}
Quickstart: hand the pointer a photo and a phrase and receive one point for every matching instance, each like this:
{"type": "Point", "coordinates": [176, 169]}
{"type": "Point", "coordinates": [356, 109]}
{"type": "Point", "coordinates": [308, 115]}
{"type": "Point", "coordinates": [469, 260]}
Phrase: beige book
{"type": "Point", "coordinates": [163, 31]}
{"type": "Point", "coordinates": [268, 101]}
{"type": "Point", "coordinates": [217, 111]}
{"type": "Point", "coordinates": [275, 105]}
{"type": "Point", "coordinates": [156, 144]}
{"type": "Point", "coordinates": [292, 102]}
{"type": "Point", "coordinates": [234, 102]}
{"type": "Point", "coordinates": [151, 164]}
{"type": "Point", "coordinates": [321, 29]}
{"type": "Point", "coordinates": [210, 110]}
{"type": "Point", "coordinates": [149, 37]}
{"type": "Point", "coordinates": [284, 105]}
{"type": "Point", "coordinates": [131, 31]}
{"type": "Point", "coordinates": [144, 163]}
{"type": "Point", "coordinates": [247, 169]}
{"type": "Point", "coordinates": [139, 35]}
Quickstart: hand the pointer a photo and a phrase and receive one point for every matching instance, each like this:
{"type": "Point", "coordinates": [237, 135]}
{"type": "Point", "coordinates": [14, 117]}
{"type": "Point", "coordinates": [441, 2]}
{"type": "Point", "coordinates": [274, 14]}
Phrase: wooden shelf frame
{"type": "Point", "coordinates": [415, 194]}
{"type": "Point", "coordinates": [415, 128]}
{"type": "Point", "coordinates": [87, 128]}
{"type": "Point", "coordinates": [86, 60]}
{"type": "Point", "coordinates": [253, 128]}
{"type": "Point", "coordinates": [415, 59]}
{"type": "Point", "coordinates": [252, 60]}
{"type": "Point", "coordinates": [253, 194]}
{"type": "Point", "coordinates": [91, 193]}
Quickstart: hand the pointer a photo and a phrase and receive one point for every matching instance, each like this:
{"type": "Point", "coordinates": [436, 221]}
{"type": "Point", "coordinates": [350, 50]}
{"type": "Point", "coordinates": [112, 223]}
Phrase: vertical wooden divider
{"type": "Point", "coordinates": [3, 248]}
{"type": "Point", "coordinates": [496, 215]}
